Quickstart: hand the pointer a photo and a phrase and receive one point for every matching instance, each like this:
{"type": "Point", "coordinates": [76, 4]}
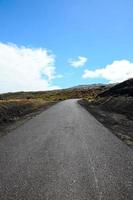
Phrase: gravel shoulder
{"type": "Point", "coordinates": [119, 122]}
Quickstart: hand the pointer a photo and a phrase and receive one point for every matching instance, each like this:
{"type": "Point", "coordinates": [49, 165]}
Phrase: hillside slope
{"type": "Point", "coordinates": [122, 89]}
{"type": "Point", "coordinates": [114, 108]}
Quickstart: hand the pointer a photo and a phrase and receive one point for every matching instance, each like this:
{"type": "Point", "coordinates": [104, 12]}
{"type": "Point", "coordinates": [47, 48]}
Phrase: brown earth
{"type": "Point", "coordinates": [15, 112]}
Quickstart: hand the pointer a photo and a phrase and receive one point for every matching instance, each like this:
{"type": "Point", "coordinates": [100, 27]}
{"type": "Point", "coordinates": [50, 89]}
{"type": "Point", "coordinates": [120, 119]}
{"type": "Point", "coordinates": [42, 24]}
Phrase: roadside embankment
{"type": "Point", "coordinates": [13, 112]}
{"type": "Point", "coordinates": [114, 109]}
{"type": "Point", "coordinates": [118, 121]}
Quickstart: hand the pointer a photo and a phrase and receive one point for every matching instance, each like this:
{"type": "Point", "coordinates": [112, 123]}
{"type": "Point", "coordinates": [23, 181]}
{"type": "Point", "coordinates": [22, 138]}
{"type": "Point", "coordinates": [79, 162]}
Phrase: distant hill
{"type": "Point", "coordinates": [80, 91]}
{"type": "Point", "coordinates": [90, 86]}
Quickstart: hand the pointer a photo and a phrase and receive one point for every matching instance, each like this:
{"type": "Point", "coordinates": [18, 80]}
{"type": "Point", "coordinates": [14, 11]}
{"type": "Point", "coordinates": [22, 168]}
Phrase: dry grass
{"type": "Point", "coordinates": [13, 109]}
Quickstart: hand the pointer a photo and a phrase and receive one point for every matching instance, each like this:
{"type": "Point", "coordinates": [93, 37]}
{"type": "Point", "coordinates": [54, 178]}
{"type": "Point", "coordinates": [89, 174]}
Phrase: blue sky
{"type": "Point", "coordinates": [101, 31]}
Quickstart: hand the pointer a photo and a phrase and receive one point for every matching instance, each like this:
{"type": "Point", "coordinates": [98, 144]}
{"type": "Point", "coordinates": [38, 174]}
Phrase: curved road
{"type": "Point", "coordinates": [65, 154]}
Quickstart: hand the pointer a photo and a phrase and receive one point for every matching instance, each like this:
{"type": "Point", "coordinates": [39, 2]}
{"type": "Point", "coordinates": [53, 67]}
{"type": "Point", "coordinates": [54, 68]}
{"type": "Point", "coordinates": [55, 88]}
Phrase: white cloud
{"type": "Point", "coordinates": [79, 62]}
{"type": "Point", "coordinates": [116, 72]}
{"type": "Point", "coordinates": [22, 69]}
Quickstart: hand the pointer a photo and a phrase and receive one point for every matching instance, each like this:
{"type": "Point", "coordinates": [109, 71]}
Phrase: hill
{"type": "Point", "coordinates": [122, 89]}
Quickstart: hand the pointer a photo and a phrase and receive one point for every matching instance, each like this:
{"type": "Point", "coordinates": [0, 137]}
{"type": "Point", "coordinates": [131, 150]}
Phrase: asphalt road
{"type": "Point", "coordinates": [65, 154]}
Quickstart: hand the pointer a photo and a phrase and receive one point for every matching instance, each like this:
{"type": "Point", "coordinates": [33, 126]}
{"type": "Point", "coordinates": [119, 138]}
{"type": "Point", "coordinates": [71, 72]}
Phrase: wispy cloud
{"type": "Point", "coordinates": [116, 72]}
{"type": "Point", "coordinates": [79, 62]}
{"type": "Point", "coordinates": [22, 68]}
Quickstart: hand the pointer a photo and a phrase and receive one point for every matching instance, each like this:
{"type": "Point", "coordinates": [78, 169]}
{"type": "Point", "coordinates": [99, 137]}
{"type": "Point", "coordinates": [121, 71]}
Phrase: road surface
{"type": "Point", "coordinates": [64, 153]}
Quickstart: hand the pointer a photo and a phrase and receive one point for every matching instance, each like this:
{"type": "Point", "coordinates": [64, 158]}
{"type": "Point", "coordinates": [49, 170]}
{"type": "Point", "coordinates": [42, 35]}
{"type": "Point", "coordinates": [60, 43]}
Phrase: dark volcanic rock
{"type": "Point", "coordinates": [122, 89]}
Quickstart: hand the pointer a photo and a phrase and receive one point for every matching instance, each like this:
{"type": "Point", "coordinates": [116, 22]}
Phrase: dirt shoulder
{"type": "Point", "coordinates": [115, 114]}
{"type": "Point", "coordinates": [14, 113]}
